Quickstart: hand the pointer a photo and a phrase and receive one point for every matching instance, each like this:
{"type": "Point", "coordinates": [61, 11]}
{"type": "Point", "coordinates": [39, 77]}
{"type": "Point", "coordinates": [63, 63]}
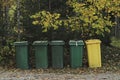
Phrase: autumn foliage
{"type": "Point", "coordinates": [90, 17]}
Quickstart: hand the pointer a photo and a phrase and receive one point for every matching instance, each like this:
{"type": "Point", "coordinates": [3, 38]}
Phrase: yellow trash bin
{"type": "Point", "coordinates": [94, 52]}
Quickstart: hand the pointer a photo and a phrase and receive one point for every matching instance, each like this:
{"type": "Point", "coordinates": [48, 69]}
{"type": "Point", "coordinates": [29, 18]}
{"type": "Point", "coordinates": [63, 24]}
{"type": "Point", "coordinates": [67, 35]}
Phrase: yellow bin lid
{"type": "Point", "coordinates": [93, 41]}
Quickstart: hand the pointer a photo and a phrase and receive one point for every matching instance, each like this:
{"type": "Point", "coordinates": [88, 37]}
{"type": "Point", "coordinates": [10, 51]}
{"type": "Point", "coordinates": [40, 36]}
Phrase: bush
{"type": "Point", "coordinates": [7, 53]}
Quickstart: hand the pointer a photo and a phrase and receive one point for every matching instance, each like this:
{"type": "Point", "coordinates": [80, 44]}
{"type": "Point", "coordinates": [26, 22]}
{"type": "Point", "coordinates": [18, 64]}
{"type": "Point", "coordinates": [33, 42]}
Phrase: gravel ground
{"type": "Point", "coordinates": [16, 74]}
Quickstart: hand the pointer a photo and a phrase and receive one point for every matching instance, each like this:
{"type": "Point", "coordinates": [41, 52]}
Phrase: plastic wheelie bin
{"type": "Point", "coordinates": [41, 54]}
{"type": "Point", "coordinates": [94, 52]}
{"type": "Point", "coordinates": [21, 54]}
{"type": "Point", "coordinates": [57, 51]}
{"type": "Point", "coordinates": [76, 53]}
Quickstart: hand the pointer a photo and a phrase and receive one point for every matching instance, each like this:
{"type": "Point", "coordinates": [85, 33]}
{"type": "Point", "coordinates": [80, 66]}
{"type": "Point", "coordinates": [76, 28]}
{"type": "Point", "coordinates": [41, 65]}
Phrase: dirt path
{"type": "Point", "coordinates": [16, 74]}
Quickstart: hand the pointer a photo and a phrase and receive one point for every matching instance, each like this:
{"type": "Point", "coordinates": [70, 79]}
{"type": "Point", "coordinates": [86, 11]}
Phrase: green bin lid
{"type": "Point", "coordinates": [57, 42]}
{"type": "Point", "coordinates": [74, 42]}
{"type": "Point", "coordinates": [21, 43]}
{"type": "Point", "coordinates": [40, 43]}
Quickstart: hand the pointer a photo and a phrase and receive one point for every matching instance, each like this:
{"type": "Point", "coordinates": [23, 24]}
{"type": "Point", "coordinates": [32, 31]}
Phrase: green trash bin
{"type": "Point", "coordinates": [57, 53]}
{"type": "Point", "coordinates": [76, 53]}
{"type": "Point", "coordinates": [41, 56]}
{"type": "Point", "coordinates": [21, 54]}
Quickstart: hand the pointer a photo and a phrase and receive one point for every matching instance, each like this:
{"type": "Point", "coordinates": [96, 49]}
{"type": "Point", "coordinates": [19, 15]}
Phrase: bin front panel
{"type": "Point", "coordinates": [94, 55]}
{"type": "Point", "coordinates": [41, 56]}
{"type": "Point", "coordinates": [76, 56]}
{"type": "Point", "coordinates": [57, 56]}
{"type": "Point", "coordinates": [22, 57]}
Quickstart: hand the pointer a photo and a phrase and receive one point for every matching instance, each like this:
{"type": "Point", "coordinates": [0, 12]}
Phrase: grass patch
{"type": "Point", "coordinates": [115, 42]}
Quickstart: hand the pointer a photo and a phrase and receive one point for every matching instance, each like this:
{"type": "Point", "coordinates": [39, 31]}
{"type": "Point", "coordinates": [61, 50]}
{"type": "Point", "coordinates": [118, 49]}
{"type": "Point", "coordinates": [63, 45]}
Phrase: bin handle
{"type": "Point", "coordinates": [76, 43]}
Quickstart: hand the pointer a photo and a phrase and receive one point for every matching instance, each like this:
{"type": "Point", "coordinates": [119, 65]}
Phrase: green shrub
{"type": "Point", "coordinates": [7, 54]}
{"type": "Point", "coordinates": [115, 42]}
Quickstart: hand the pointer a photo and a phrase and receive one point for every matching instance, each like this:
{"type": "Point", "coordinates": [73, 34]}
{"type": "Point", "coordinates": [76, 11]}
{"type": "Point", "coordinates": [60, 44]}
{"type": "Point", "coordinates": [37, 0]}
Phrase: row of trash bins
{"type": "Point", "coordinates": [57, 51]}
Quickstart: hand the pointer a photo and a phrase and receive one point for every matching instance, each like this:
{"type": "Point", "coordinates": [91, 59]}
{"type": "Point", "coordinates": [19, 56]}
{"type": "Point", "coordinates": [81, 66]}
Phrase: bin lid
{"type": "Point", "coordinates": [93, 41]}
{"type": "Point", "coordinates": [21, 43]}
{"type": "Point", "coordinates": [76, 42]}
{"type": "Point", "coordinates": [57, 42]}
{"type": "Point", "coordinates": [40, 43]}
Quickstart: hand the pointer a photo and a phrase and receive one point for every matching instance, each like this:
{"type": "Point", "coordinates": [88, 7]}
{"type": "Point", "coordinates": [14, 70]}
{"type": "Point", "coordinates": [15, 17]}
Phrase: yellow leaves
{"type": "Point", "coordinates": [100, 4]}
{"type": "Point", "coordinates": [18, 30]}
{"type": "Point", "coordinates": [56, 16]}
{"type": "Point", "coordinates": [35, 22]}
{"type": "Point", "coordinates": [45, 24]}
{"type": "Point", "coordinates": [107, 29]}
{"type": "Point", "coordinates": [7, 2]}
{"type": "Point", "coordinates": [95, 14]}
{"type": "Point", "coordinates": [65, 22]}
{"type": "Point", "coordinates": [46, 20]}
{"type": "Point", "coordinates": [95, 17]}
{"type": "Point", "coordinates": [44, 30]}
{"type": "Point", "coordinates": [86, 24]}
